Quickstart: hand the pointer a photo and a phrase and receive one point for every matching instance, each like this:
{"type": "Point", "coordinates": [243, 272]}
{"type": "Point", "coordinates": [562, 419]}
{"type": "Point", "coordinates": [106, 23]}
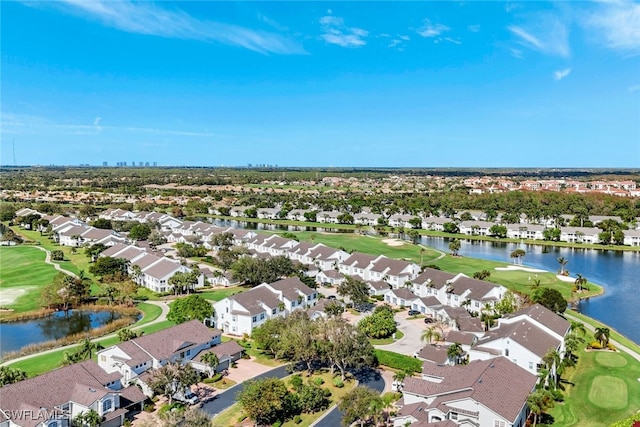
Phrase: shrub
{"type": "Point", "coordinates": [398, 361]}
{"type": "Point", "coordinates": [611, 347]}
{"type": "Point", "coordinates": [326, 392]}
{"type": "Point", "coordinates": [318, 381]}
{"type": "Point", "coordinates": [242, 418]}
{"type": "Point", "coordinates": [338, 383]}
{"type": "Point", "coordinates": [296, 382]}
{"type": "Point", "coordinates": [297, 419]}
{"type": "Point", "coordinates": [557, 395]}
{"type": "Point", "coordinates": [595, 345]}
{"type": "Point", "coordinates": [378, 297]}
{"type": "Point", "coordinates": [277, 424]}
{"type": "Point", "coordinates": [149, 407]}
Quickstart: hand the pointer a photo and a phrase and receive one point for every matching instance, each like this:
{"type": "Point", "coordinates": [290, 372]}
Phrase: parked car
{"type": "Point", "coordinates": [331, 297]}
{"type": "Point", "coordinates": [413, 312]}
{"type": "Point", "coordinates": [428, 320]}
{"type": "Point", "coordinates": [188, 397]}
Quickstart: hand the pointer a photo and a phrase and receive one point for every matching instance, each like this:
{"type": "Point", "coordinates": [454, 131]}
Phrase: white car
{"type": "Point", "coordinates": [189, 397]}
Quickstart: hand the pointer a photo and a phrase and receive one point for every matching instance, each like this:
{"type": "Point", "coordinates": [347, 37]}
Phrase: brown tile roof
{"type": "Point", "coordinates": [394, 267]}
{"type": "Point", "coordinates": [228, 348]}
{"type": "Point", "coordinates": [136, 354]}
{"type": "Point", "coordinates": [162, 268]}
{"type": "Point", "coordinates": [525, 333]}
{"type": "Point", "coordinates": [477, 288]}
{"type": "Point", "coordinates": [96, 233]}
{"type": "Point", "coordinates": [543, 315]}
{"type": "Point", "coordinates": [333, 274]}
{"type": "Point", "coordinates": [470, 324]}
{"type": "Point", "coordinates": [291, 288]}
{"type": "Point", "coordinates": [130, 253]}
{"type": "Point", "coordinates": [163, 344]}
{"type": "Point", "coordinates": [460, 338]}
{"type": "Point", "coordinates": [145, 261]}
{"type": "Point", "coordinates": [433, 353]}
{"type": "Point", "coordinates": [403, 293]}
{"type": "Point", "coordinates": [71, 383]}
{"type": "Point", "coordinates": [438, 278]}
{"type": "Point", "coordinates": [252, 298]}
{"type": "Point", "coordinates": [485, 380]}
{"type": "Point", "coordinates": [114, 249]}
{"type": "Point", "coordinates": [359, 260]}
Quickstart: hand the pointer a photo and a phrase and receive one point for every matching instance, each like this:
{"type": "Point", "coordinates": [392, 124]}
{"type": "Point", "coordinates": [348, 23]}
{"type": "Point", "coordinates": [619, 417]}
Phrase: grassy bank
{"type": "Point", "coordinates": [601, 389]}
{"type": "Point", "coordinates": [520, 281]}
{"type": "Point", "coordinates": [24, 273]}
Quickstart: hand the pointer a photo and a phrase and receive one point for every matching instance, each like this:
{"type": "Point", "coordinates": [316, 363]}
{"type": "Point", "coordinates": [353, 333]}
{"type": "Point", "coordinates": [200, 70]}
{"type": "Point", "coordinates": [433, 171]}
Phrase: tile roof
{"type": "Point", "coordinates": [434, 353]}
{"type": "Point", "coordinates": [165, 343]}
{"type": "Point", "coordinates": [525, 333]}
{"type": "Point", "coordinates": [438, 278]}
{"type": "Point", "coordinates": [359, 260]}
{"type": "Point", "coordinates": [543, 315]}
{"type": "Point", "coordinates": [253, 299]}
{"type": "Point", "coordinates": [484, 380]}
{"type": "Point", "coordinates": [162, 268]}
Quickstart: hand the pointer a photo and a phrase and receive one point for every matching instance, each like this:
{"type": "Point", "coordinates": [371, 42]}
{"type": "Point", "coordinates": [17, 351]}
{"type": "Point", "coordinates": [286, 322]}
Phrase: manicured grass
{"type": "Point", "coordinates": [389, 340]}
{"type": "Point", "coordinates": [150, 313]}
{"type": "Point", "coordinates": [46, 362]}
{"type": "Point", "coordinates": [23, 268]}
{"type": "Point", "coordinates": [512, 279]}
{"type": "Point", "coordinates": [398, 361]}
{"type": "Point", "coordinates": [614, 335]}
{"type": "Point", "coordinates": [371, 245]}
{"type": "Point", "coordinates": [599, 390]}
{"type": "Point", "coordinates": [220, 293]}
{"type": "Point", "coordinates": [231, 416]}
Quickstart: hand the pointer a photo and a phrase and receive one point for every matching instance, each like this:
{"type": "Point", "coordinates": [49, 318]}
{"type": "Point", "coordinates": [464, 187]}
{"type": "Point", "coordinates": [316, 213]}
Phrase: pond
{"type": "Point", "coordinates": [15, 335]}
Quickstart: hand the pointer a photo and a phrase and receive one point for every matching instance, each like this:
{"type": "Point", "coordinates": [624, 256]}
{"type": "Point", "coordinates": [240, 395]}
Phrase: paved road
{"type": "Point", "coordinates": [224, 400]}
{"type": "Point", "coordinates": [612, 341]}
{"type": "Point", "coordinates": [370, 378]}
{"type": "Point", "coordinates": [410, 343]}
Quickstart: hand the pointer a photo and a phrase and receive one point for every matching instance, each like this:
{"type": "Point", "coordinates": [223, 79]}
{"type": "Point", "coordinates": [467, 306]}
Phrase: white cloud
{"type": "Point", "coordinates": [454, 41]}
{"type": "Point", "coordinates": [474, 28]}
{"type": "Point", "coordinates": [561, 74]}
{"type": "Point", "coordinates": [617, 23]}
{"type": "Point", "coordinates": [634, 88]}
{"type": "Point", "coordinates": [429, 29]}
{"type": "Point", "coordinates": [335, 32]}
{"type": "Point", "coordinates": [150, 19]}
{"type": "Point", "coordinates": [547, 34]}
{"type": "Point", "coordinates": [517, 53]}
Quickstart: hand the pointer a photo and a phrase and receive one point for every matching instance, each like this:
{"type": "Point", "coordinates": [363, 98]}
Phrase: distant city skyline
{"type": "Point", "coordinates": [316, 84]}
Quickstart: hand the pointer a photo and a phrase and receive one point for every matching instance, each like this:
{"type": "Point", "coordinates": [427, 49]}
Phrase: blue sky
{"type": "Point", "coordinates": [415, 84]}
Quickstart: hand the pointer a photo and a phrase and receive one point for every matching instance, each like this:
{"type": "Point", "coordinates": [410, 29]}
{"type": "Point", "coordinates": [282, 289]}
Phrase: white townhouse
{"type": "Point", "coordinates": [435, 223]}
{"type": "Point", "coordinates": [327, 217]}
{"type": "Point", "coordinates": [134, 358]}
{"type": "Point", "coordinates": [78, 235]}
{"type": "Point", "coordinates": [275, 245]}
{"type": "Point", "coordinates": [379, 268]}
{"type": "Point", "coordinates": [401, 220]}
{"type": "Point", "coordinates": [524, 338]}
{"type": "Point", "coordinates": [53, 399]}
{"type": "Point", "coordinates": [467, 395]}
{"type": "Point", "coordinates": [330, 277]}
{"type": "Point", "coordinates": [116, 215]}
{"type": "Point", "coordinates": [325, 257]}
{"type": "Point", "coordinates": [525, 231]}
{"type": "Point", "coordinates": [269, 213]}
{"type": "Point", "coordinates": [457, 290]}
{"type": "Point", "coordinates": [366, 218]}
{"type": "Point", "coordinates": [239, 314]}
{"type": "Point", "coordinates": [476, 228]}
{"type": "Point", "coordinates": [296, 215]}
{"type": "Point", "coordinates": [300, 252]}
{"type": "Point", "coordinates": [580, 234]}
{"type": "Point", "coordinates": [356, 264]}
{"type": "Point", "coordinates": [632, 237]}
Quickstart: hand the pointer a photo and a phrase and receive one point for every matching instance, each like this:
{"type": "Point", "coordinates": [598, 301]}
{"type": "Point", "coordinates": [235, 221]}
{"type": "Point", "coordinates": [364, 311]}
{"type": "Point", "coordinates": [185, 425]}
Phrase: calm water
{"type": "Point", "coordinates": [15, 335]}
{"type": "Point", "coordinates": [618, 272]}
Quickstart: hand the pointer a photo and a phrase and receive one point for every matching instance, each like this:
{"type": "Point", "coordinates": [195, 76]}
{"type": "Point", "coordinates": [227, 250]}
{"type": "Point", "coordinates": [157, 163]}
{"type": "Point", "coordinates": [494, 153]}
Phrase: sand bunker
{"type": "Point", "coordinates": [393, 242]}
{"type": "Point", "coordinates": [566, 278]}
{"type": "Point", "coordinates": [9, 296]}
{"type": "Point", "coordinates": [518, 267]}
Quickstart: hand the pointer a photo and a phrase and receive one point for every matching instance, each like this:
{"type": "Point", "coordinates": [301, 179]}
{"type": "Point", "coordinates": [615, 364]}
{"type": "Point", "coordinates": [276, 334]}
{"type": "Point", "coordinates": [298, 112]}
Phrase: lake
{"type": "Point", "coordinates": [617, 271]}
{"type": "Point", "coordinates": [15, 335]}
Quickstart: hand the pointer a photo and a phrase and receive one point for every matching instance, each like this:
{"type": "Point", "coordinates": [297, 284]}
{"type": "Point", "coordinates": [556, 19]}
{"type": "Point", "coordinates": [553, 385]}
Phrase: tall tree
{"type": "Point", "coordinates": [602, 335]}
{"type": "Point", "coordinates": [356, 290]}
{"type": "Point", "coordinates": [211, 360]}
{"type": "Point", "coordinates": [430, 334]}
{"type": "Point", "coordinates": [266, 401]}
{"type": "Point", "coordinates": [356, 405]}
{"type": "Point", "coordinates": [454, 247]}
{"type": "Point", "coordinates": [562, 261]}
{"type": "Point", "coordinates": [539, 401]}
{"type": "Point", "coordinates": [9, 375]}
{"type": "Point", "coordinates": [346, 346]}
{"type": "Point", "coordinates": [189, 308]}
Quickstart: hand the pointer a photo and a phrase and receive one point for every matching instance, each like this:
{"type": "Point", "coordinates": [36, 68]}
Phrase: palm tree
{"type": "Point", "coordinates": [517, 256]}
{"type": "Point", "coordinates": [212, 361]}
{"type": "Point", "coordinates": [455, 352]}
{"type": "Point", "coordinates": [86, 348]}
{"type": "Point", "coordinates": [454, 247]}
{"type": "Point", "coordinates": [562, 261]}
{"type": "Point", "coordinates": [602, 335]}
{"type": "Point", "coordinates": [421, 256]}
{"type": "Point", "coordinates": [539, 401]}
{"type": "Point", "coordinates": [578, 327]}
{"type": "Point", "coordinates": [535, 284]}
{"type": "Point", "coordinates": [580, 282]}
{"type": "Point", "coordinates": [431, 334]}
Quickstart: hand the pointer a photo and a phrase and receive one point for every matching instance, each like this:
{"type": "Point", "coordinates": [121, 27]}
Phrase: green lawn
{"type": "Point", "coordinates": [371, 245]}
{"type": "Point", "coordinates": [150, 313]}
{"type": "Point", "coordinates": [221, 293]}
{"type": "Point", "coordinates": [606, 389]}
{"type": "Point", "coordinates": [513, 279]}
{"type": "Point", "coordinates": [22, 268]}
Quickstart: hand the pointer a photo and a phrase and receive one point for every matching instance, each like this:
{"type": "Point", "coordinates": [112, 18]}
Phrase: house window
{"type": "Point", "coordinates": [506, 352]}
{"type": "Point", "coordinates": [182, 355]}
{"type": "Point", "coordinates": [107, 405]}
{"type": "Point", "coordinates": [274, 311]}
{"type": "Point", "coordinates": [453, 416]}
{"type": "Point", "coordinates": [103, 358]}
{"type": "Point", "coordinates": [530, 365]}
{"type": "Point", "coordinates": [499, 423]}
{"type": "Point", "coordinates": [261, 316]}
{"type": "Point", "coordinates": [254, 318]}
{"type": "Point", "coordinates": [234, 318]}
{"type": "Point", "coordinates": [53, 424]}
{"type": "Point", "coordinates": [293, 304]}
{"type": "Point", "coordinates": [188, 352]}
